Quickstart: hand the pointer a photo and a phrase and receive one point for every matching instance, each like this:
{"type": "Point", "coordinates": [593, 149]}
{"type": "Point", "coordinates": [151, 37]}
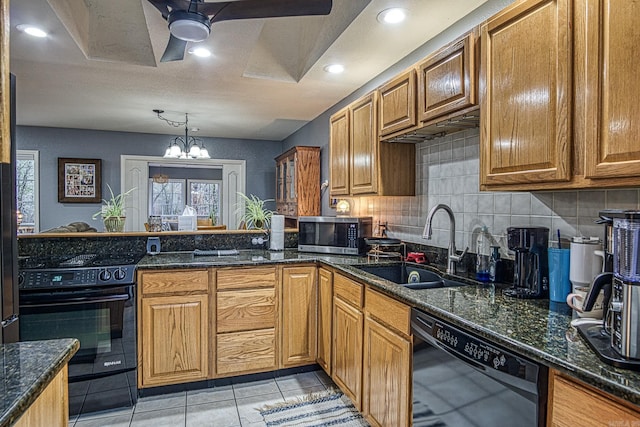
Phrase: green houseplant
{"type": "Point", "coordinates": [112, 211]}
{"type": "Point", "coordinates": [255, 216]}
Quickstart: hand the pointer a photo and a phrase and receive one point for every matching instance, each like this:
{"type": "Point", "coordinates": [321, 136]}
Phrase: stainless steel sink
{"type": "Point", "coordinates": [409, 275]}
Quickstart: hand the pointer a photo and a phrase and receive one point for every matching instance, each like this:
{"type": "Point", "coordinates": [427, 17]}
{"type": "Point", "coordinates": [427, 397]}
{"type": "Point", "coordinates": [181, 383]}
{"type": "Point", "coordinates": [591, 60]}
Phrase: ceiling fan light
{"type": "Point", "coordinates": [189, 26]}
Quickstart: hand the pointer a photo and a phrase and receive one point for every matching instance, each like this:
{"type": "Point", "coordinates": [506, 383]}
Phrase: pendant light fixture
{"type": "Point", "coordinates": [184, 147]}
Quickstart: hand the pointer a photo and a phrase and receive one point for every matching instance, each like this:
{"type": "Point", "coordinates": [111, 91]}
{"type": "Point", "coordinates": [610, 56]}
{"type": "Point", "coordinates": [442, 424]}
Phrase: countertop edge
{"type": "Point", "coordinates": [33, 391]}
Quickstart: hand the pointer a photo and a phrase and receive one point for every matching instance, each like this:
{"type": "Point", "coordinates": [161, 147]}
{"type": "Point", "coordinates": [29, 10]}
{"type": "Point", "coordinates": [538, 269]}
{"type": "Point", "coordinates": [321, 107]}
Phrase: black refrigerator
{"type": "Point", "coordinates": [9, 241]}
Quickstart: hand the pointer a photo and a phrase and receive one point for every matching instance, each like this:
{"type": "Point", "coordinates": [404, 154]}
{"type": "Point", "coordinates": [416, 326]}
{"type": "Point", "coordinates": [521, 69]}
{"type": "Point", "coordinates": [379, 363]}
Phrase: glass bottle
{"type": "Point", "coordinates": [482, 255]}
{"type": "Point", "coordinates": [495, 265]}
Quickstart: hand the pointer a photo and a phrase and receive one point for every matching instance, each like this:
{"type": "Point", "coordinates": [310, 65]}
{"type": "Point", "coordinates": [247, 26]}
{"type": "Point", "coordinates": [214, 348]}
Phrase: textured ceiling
{"type": "Point", "coordinates": [99, 67]}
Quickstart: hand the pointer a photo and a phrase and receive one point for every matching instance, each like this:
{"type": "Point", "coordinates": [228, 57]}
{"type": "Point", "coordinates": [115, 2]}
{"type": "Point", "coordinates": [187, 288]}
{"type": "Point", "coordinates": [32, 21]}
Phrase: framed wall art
{"type": "Point", "coordinates": [79, 180]}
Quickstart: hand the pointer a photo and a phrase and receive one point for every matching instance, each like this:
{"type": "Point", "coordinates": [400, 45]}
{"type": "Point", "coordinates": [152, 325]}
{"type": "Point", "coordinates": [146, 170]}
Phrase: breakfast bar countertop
{"type": "Point", "coordinates": [27, 369]}
{"type": "Point", "coordinates": [535, 328]}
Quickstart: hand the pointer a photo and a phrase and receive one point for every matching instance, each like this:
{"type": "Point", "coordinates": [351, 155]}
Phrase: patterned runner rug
{"type": "Point", "coordinates": [331, 408]}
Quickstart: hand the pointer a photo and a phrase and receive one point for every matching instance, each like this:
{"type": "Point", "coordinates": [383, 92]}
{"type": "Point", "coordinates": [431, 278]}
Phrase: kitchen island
{"type": "Point", "coordinates": [537, 329]}
{"type": "Point", "coordinates": [28, 369]}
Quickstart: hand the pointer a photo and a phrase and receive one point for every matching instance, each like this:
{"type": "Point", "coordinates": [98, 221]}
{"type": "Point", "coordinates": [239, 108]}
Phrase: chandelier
{"type": "Point", "coordinates": [184, 147]}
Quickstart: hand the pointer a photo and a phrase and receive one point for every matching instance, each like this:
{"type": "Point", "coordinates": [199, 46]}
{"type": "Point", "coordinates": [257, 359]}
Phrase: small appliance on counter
{"type": "Point", "coordinates": [531, 275]}
{"type": "Point", "coordinates": [333, 235]}
{"type": "Point", "coordinates": [616, 340]}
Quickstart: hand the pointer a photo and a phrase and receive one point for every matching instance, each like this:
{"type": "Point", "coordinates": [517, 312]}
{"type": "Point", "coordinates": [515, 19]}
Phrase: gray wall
{"type": "Point", "coordinates": [108, 146]}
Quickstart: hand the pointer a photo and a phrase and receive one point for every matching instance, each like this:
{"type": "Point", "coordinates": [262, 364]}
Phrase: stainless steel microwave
{"type": "Point", "coordinates": [333, 235]}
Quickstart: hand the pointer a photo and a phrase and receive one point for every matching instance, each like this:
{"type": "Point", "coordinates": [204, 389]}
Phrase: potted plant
{"type": "Point", "coordinates": [112, 211]}
{"type": "Point", "coordinates": [255, 216]}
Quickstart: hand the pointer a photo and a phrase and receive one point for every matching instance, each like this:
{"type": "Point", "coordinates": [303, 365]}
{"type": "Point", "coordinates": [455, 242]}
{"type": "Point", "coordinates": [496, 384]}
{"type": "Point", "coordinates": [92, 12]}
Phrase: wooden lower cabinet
{"type": "Point", "coordinates": [347, 357]}
{"type": "Point", "coordinates": [246, 320]}
{"type": "Point", "coordinates": [348, 321]}
{"type": "Point", "coordinates": [325, 318]}
{"type": "Point", "coordinates": [173, 326]}
{"type": "Point", "coordinates": [299, 299]}
{"type": "Point", "coordinates": [51, 408]}
{"type": "Point", "coordinates": [175, 339]}
{"type": "Point", "coordinates": [386, 389]}
{"type": "Point", "coordinates": [571, 403]}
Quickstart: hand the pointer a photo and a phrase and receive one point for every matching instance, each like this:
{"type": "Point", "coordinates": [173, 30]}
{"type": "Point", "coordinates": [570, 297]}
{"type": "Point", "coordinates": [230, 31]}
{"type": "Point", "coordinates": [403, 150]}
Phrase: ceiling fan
{"type": "Point", "coordinates": [190, 20]}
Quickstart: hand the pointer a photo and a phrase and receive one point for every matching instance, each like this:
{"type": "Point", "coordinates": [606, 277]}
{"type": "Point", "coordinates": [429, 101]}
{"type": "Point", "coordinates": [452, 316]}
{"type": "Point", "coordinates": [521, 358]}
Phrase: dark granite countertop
{"type": "Point", "coordinates": [537, 329]}
{"type": "Point", "coordinates": [27, 369]}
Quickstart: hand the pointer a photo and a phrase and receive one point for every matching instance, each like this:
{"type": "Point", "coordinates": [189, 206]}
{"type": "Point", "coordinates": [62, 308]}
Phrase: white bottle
{"type": "Point", "coordinates": [483, 255]}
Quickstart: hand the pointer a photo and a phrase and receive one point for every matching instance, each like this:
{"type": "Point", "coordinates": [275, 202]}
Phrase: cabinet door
{"type": "Point", "coordinates": [447, 80]}
{"type": "Point", "coordinates": [174, 339]}
{"type": "Point", "coordinates": [325, 309]}
{"type": "Point", "coordinates": [299, 302]}
{"type": "Point", "coordinates": [347, 362]}
{"type": "Point", "coordinates": [339, 153]}
{"type": "Point", "coordinates": [363, 178]}
{"type": "Point", "coordinates": [594, 408]}
{"type": "Point", "coordinates": [387, 376]}
{"type": "Point", "coordinates": [611, 126]}
{"type": "Point", "coordinates": [397, 107]}
{"type": "Point", "coordinates": [51, 407]}
{"type": "Point", "coordinates": [526, 79]}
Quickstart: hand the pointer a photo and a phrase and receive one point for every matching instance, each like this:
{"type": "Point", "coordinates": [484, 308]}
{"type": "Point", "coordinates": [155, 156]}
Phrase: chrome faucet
{"type": "Point", "coordinates": [452, 256]}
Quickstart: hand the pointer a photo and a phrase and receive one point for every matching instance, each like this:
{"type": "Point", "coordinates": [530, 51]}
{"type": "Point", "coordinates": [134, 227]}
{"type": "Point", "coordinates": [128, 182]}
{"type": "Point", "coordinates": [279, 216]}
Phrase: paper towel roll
{"type": "Point", "coordinates": [277, 233]}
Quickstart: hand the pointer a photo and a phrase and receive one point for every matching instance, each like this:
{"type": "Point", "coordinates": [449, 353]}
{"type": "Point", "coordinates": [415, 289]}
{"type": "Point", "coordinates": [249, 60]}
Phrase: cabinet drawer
{"type": "Point", "coordinates": [165, 282]}
{"type": "Point", "coordinates": [348, 290]}
{"type": "Point", "coordinates": [388, 310]}
{"type": "Point", "coordinates": [242, 278]}
{"type": "Point", "coordinates": [246, 310]}
{"type": "Point", "coordinates": [246, 351]}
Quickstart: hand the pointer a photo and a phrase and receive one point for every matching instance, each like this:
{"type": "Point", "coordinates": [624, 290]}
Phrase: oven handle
{"type": "Point", "coordinates": [78, 300]}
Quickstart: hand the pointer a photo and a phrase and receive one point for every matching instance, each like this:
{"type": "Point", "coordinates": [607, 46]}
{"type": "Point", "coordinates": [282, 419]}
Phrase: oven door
{"type": "Point", "coordinates": [102, 319]}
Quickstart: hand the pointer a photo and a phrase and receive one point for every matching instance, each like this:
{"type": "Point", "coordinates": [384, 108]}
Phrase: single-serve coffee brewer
{"type": "Point", "coordinates": [531, 268]}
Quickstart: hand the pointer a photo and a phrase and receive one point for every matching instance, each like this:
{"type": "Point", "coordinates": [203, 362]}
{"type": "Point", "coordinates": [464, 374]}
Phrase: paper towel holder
{"type": "Point", "coordinates": [276, 242]}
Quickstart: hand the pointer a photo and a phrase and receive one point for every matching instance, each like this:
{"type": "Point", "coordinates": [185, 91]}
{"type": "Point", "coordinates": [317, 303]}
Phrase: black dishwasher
{"type": "Point", "coordinates": [462, 380]}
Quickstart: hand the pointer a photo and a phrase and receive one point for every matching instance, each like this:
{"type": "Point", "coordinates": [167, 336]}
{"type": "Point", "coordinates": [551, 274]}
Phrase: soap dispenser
{"type": "Point", "coordinates": [495, 265]}
{"type": "Point", "coordinates": [482, 255]}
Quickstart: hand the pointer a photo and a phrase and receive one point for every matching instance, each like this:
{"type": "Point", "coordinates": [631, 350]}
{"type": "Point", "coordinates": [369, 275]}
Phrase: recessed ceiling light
{"type": "Point", "coordinates": [201, 52]}
{"type": "Point", "coordinates": [334, 68]}
{"type": "Point", "coordinates": [394, 15]}
{"type": "Point", "coordinates": [31, 30]}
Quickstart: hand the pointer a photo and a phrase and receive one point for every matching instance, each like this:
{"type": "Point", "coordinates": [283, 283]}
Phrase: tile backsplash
{"type": "Point", "coordinates": [447, 171]}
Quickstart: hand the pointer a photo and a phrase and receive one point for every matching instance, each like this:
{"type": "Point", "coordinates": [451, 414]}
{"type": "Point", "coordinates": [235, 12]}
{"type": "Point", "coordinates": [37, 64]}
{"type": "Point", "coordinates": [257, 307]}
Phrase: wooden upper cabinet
{"type": "Point", "coordinates": [447, 79]}
{"type": "Point", "coordinates": [526, 103]}
{"type": "Point", "coordinates": [397, 104]}
{"type": "Point", "coordinates": [339, 153]}
{"type": "Point", "coordinates": [611, 124]}
{"type": "Point", "coordinates": [363, 178]}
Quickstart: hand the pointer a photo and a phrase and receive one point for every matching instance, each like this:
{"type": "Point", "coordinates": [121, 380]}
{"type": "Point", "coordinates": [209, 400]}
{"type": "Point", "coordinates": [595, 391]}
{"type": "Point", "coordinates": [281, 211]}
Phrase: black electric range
{"type": "Point", "coordinates": [92, 298]}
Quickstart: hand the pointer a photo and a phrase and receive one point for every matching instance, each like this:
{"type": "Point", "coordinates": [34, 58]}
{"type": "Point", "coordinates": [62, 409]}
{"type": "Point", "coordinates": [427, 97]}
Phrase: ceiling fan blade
{"type": "Point", "coordinates": [166, 6]}
{"type": "Point", "coordinates": [249, 9]}
{"type": "Point", "coordinates": [175, 50]}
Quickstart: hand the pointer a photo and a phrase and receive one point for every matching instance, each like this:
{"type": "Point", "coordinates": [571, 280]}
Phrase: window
{"type": "Point", "coordinates": [27, 191]}
{"type": "Point", "coordinates": [168, 199]}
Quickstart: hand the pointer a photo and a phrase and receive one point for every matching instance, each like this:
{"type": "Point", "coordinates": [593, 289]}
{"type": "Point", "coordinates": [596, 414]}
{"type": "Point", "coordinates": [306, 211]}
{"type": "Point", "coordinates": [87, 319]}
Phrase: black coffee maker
{"type": "Point", "coordinates": [531, 266]}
